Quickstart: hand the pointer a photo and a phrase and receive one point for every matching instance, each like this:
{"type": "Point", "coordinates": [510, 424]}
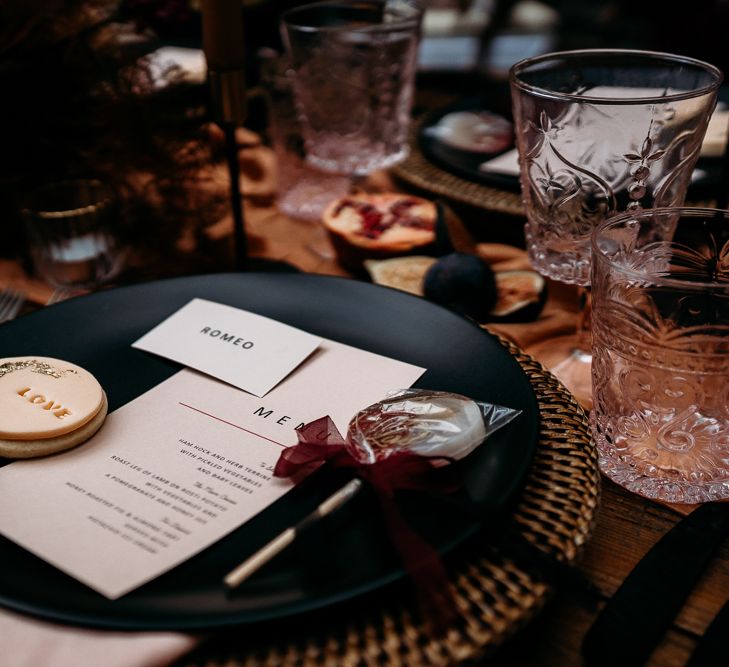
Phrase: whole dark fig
{"type": "Point", "coordinates": [463, 283]}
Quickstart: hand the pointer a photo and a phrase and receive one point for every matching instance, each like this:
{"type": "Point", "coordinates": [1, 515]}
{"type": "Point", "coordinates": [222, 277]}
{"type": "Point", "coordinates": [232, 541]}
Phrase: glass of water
{"type": "Point", "coordinates": [354, 70]}
{"type": "Point", "coordinates": [73, 234]}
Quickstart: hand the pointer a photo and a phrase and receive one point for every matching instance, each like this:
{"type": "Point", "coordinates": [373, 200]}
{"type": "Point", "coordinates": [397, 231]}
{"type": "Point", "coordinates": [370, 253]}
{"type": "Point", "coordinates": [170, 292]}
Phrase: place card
{"type": "Point", "coordinates": [506, 163]}
{"type": "Point", "coordinates": [249, 351]}
{"type": "Point", "coordinates": [178, 468]}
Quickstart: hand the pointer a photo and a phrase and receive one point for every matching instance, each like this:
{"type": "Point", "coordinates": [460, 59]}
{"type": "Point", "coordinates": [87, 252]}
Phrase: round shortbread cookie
{"type": "Point", "coordinates": [26, 449]}
{"type": "Point", "coordinates": [43, 398]}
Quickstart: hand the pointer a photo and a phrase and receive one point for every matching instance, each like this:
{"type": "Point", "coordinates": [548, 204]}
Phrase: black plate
{"type": "Point", "coordinates": [352, 555]}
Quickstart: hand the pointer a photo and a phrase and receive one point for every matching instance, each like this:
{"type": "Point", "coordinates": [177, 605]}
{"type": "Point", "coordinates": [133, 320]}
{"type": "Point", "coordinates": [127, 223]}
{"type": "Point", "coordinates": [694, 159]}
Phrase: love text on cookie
{"type": "Point", "coordinates": [43, 402]}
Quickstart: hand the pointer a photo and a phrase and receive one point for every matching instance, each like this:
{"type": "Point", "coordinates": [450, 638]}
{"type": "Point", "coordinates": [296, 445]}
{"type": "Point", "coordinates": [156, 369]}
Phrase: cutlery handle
{"type": "Point", "coordinates": [238, 575]}
{"type": "Point", "coordinates": [633, 621]}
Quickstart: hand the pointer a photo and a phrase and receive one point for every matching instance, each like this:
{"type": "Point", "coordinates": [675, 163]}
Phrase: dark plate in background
{"type": "Point", "coordinates": [461, 162]}
{"type": "Point", "coordinates": [352, 555]}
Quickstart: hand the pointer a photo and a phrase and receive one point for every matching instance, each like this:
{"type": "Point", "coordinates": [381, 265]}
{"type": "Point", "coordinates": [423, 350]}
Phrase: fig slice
{"type": "Point", "coordinates": [521, 296]}
{"type": "Point", "coordinates": [403, 273]}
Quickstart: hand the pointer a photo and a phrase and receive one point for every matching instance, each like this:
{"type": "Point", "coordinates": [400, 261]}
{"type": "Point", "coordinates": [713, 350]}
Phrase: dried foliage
{"type": "Point", "coordinates": [80, 100]}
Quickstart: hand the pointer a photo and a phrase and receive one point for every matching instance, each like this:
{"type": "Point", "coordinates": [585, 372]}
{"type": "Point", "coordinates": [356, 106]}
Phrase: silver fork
{"type": "Point", "coordinates": [64, 293]}
{"type": "Point", "coordinates": [60, 294]}
{"type": "Point", "coordinates": [11, 301]}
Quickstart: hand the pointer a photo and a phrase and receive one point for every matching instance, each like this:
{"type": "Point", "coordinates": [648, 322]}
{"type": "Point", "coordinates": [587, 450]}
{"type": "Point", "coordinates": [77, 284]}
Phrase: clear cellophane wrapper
{"type": "Point", "coordinates": [424, 422]}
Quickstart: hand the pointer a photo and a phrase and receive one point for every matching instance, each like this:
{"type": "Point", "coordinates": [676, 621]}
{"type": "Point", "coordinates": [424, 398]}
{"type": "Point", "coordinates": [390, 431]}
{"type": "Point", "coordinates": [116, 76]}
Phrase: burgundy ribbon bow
{"type": "Point", "coordinates": [320, 442]}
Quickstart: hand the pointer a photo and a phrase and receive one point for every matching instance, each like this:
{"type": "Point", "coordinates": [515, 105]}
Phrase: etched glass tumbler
{"type": "Point", "coordinates": [601, 132]}
{"type": "Point", "coordinates": [354, 65]}
{"type": "Point", "coordinates": [660, 368]}
{"type": "Point", "coordinates": [302, 190]}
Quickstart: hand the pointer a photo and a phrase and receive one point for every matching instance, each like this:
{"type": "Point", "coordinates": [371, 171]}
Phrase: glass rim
{"type": "Point", "coordinates": [656, 279]}
{"type": "Point", "coordinates": [404, 23]}
{"type": "Point", "coordinates": [105, 198]}
{"type": "Point", "coordinates": [656, 56]}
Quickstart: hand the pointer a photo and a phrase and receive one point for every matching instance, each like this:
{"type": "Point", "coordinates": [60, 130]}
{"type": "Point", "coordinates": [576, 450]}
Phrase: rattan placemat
{"type": "Point", "coordinates": [495, 596]}
{"type": "Point", "coordinates": [418, 171]}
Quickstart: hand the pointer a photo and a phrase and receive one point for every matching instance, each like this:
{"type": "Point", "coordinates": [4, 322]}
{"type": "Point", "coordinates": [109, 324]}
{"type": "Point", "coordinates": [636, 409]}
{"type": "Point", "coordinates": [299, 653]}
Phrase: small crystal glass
{"type": "Point", "coordinates": [660, 345]}
{"type": "Point", "coordinates": [600, 132]}
{"type": "Point", "coordinates": [73, 234]}
{"type": "Point", "coordinates": [354, 64]}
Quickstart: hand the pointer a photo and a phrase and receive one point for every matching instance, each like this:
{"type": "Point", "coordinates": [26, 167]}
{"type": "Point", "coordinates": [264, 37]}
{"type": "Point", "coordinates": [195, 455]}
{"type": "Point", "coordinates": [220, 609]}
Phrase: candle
{"type": "Point", "coordinates": [223, 46]}
{"type": "Point", "coordinates": [79, 249]}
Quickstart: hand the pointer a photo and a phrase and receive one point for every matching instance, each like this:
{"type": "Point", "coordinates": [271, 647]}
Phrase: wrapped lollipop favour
{"type": "Point", "coordinates": [395, 444]}
{"type": "Point", "coordinates": [428, 423]}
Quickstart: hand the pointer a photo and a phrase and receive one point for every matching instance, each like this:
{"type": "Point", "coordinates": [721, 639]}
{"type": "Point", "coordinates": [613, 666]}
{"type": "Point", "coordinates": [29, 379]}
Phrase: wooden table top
{"type": "Point", "coordinates": [627, 527]}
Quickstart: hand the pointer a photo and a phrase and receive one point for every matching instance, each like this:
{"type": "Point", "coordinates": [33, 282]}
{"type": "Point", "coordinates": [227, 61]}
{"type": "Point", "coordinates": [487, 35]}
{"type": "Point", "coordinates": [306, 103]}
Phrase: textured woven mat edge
{"type": "Point", "coordinates": [419, 172]}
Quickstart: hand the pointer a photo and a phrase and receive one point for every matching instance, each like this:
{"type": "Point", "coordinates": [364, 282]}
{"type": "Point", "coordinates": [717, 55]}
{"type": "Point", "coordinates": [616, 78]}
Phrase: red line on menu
{"type": "Point", "coordinates": [207, 414]}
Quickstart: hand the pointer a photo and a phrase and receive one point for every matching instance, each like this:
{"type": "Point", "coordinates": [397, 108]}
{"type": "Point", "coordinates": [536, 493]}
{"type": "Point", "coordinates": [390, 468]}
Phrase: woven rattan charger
{"type": "Point", "coordinates": [418, 171]}
{"type": "Point", "coordinates": [494, 595]}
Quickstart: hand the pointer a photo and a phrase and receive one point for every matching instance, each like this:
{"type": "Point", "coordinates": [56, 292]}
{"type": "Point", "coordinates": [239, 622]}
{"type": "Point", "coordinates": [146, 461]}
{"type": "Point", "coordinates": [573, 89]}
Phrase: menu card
{"type": "Point", "coordinates": [178, 468]}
